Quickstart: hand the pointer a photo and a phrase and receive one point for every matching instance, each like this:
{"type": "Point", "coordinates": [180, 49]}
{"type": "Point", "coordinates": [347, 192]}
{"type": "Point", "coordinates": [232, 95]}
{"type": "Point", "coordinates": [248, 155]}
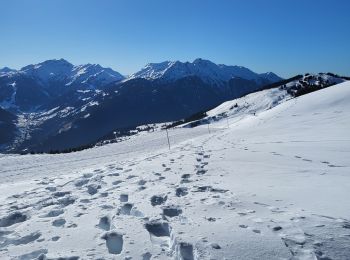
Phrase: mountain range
{"type": "Point", "coordinates": [55, 105]}
{"type": "Point", "coordinates": [208, 71]}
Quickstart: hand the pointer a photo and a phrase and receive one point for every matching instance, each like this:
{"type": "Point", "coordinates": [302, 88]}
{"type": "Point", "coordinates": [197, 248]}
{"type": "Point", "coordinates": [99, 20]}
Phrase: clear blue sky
{"type": "Point", "coordinates": [283, 36]}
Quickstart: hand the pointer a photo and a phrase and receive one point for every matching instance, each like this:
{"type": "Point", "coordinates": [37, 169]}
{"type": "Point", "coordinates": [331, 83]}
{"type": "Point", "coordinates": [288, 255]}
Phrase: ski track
{"type": "Point", "coordinates": [230, 194]}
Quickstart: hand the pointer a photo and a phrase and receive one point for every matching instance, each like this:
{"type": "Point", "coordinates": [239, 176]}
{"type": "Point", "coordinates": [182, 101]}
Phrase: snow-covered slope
{"type": "Point", "coordinates": [245, 106]}
{"type": "Point", "coordinates": [263, 100]}
{"type": "Point", "coordinates": [205, 69]}
{"type": "Point", "coordinates": [273, 185]}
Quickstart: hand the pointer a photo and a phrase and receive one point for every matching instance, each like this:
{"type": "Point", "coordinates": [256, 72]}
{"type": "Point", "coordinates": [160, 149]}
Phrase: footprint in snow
{"type": "Point", "coordinates": [185, 178]}
{"type": "Point", "coordinates": [185, 251]}
{"type": "Point", "coordinates": [35, 255]}
{"type": "Point", "coordinates": [125, 209]}
{"type": "Point", "coordinates": [172, 211]}
{"type": "Point", "coordinates": [181, 191]}
{"type": "Point", "coordinates": [158, 200]}
{"type": "Point", "coordinates": [124, 198]}
{"type": "Point", "coordinates": [116, 182]}
{"type": "Point", "coordinates": [81, 182]}
{"type": "Point", "coordinates": [104, 223]}
{"type": "Point", "coordinates": [141, 182]}
{"type": "Point", "coordinates": [146, 256]}
{"type": "Point", "coordinates": [92, 189]}
{"type": "Point", "coordinates": [114, 242]}
{"type": "Point", "coordinates": [59, 222]}
{"type": "Point", "coordinates": [53, 213]}
{"type": "Point", "coordinates": [245, 212]}
{"type": "Point", "coordinates": [158, 229]}
{"type": "Point", "coordinates": [307, 160]}
{"type": "Point", "coordinates": [23, 240]}
{"type": "Point", "coordinates": [13, 218]}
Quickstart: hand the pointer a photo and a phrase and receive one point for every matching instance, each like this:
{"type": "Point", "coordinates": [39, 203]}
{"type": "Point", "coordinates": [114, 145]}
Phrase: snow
{"type": "Point", "coordinates": [90, 104]}
{"type": "Point", "coordinates": [274, 185]}
{"type": "Point", "coordinates": [83, 91]}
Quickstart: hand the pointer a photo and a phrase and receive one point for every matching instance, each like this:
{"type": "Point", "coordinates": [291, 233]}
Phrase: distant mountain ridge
{"type": "Point", "coordinates": [208, 71]}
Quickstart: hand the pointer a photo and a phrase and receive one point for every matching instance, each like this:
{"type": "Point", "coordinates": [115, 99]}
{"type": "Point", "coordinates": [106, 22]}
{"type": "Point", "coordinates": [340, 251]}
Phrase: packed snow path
{"type": "Point", "coordinates": [271, 186]}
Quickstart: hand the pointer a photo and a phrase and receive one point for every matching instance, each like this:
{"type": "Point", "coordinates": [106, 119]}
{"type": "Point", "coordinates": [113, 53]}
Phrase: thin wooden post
{"type": "Point", "coordinates": [167, 135]}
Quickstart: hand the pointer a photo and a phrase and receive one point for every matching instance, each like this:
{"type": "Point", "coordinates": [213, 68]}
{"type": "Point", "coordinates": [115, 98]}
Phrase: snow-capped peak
{"type": "Point", "coordinates": [62, 70]}
{"type": "Point", "coordinates": [50, 69]}
{"type": "Point", "coordinates": [205, 69]}
{"type": "Point", "coordinates": [153, 70]}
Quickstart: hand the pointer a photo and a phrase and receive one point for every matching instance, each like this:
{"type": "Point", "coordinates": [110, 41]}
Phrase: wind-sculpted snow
{"type": "Point", "coordinates": [269, 185]}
